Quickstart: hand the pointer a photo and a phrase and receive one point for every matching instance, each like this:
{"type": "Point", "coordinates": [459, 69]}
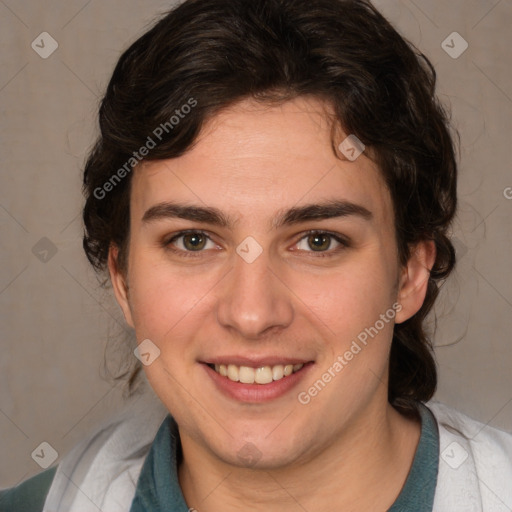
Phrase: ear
{"type": "Point", "coordinates": [414, 278]}
{"type": "Point", "coordinates": [119, 284]}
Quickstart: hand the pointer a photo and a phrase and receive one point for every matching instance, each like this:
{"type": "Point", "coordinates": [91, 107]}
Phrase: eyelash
{"type": "Point", "coordinates": [344, 243]}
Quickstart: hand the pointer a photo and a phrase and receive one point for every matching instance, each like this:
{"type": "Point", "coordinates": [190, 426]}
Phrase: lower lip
{"type": "Point", "coordinates": [257, 393]}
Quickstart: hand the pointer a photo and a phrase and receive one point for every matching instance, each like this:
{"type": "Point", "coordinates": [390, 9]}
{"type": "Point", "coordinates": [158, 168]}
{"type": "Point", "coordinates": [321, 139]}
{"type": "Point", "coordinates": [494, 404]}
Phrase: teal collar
{"type": "Point", "coordinates": [420, 487]}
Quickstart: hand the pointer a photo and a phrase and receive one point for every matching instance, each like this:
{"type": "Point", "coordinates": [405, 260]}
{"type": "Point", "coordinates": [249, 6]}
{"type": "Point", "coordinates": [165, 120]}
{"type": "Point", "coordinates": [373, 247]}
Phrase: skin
{"type": "Point", "coordinates": [347, 449]}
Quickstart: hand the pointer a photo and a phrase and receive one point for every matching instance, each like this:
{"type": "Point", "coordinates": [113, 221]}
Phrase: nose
{"type": "Point", "coordinates": [253, 300]}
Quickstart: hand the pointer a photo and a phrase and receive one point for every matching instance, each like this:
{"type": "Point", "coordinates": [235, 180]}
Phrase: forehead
{"type": "Point", "coordinates": [255, 158]}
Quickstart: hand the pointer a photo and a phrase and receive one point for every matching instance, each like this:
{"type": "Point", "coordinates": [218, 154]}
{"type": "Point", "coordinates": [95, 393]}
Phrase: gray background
{"type": "Point", "coordinates": [56, 320]}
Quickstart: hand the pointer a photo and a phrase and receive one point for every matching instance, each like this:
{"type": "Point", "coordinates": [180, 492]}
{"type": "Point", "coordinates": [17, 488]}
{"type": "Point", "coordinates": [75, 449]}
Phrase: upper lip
{"type": "Point", "coordinates": [255, 362]}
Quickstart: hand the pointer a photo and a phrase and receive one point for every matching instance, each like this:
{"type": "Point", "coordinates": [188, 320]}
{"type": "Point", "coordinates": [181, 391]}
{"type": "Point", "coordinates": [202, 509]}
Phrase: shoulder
{"type": "Point", "coordinates": [105, 462]}
{"type": "Point", "coordinates": [105, 465]}
{"type": "Point", "coordinates": [475, 464]}
{"type": "Point", "coordinates": [29, 495]}
{"type": "Point", "coordinates": [482, 438]}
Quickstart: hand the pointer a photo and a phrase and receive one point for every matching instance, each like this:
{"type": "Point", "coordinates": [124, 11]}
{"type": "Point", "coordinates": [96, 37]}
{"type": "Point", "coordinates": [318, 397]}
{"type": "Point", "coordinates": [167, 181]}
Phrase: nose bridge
{"type": "Point", "coordinates": [253, 300]}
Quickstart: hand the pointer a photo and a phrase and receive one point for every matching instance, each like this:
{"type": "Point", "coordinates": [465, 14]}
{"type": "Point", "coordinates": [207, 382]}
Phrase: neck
{"type": "Point", "coordinates": [364, 469]}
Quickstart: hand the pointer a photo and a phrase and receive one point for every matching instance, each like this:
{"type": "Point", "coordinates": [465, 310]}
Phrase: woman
{"type": "Point", "coordinates": [271, 194]}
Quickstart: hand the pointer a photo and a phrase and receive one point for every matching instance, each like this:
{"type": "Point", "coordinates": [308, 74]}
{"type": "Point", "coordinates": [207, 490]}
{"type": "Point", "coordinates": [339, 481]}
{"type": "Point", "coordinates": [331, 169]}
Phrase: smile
{"type": "Point", "coordinates": [257, 381]}
{"type": "Point", "coordinates": [260, 375]}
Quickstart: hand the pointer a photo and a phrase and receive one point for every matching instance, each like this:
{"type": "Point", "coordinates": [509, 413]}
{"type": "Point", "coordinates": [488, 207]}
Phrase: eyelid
{"type": "Point", "coordinates": [342, 240]}
{"type": "Point", "coordinates": [167, 241]}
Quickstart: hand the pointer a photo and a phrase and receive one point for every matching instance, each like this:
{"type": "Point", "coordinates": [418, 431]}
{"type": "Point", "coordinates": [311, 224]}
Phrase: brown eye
{"type": "Point", "coordinates": [319, 242]}
{"type": "Point", "coordinates": [322, 242]}
{"type": "Point", "coordinates": [191, 244]}
{"type": "Point", "coordinates": [191, 241]}
{"type": "Point", "coordinates": [194, 241]}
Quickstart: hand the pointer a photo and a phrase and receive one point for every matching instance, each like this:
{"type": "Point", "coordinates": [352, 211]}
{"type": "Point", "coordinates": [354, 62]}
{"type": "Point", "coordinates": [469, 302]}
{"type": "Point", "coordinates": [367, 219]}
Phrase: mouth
{"type": "Point", "coordinates": [261, 381]}
{"type": "Point", "coordinates": [259, 375]}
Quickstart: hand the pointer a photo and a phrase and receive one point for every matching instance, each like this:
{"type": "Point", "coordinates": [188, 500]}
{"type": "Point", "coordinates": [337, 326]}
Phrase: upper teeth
{"type": "Point", "coordinates": [262, 375]}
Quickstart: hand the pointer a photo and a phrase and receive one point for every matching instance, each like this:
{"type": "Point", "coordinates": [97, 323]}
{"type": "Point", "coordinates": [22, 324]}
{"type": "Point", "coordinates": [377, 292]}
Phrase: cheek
{"type": "Point", "coordinates": [164, 299]}
{"type": "Point", "coordinates": [172, 303]}
{"type": "Point", "coordinates": [351, 297]}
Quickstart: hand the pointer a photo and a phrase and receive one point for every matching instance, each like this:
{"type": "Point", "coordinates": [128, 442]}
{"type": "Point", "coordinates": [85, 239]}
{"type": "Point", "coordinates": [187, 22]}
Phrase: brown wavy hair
{"type": "Point", "coordinates": [381, 88]}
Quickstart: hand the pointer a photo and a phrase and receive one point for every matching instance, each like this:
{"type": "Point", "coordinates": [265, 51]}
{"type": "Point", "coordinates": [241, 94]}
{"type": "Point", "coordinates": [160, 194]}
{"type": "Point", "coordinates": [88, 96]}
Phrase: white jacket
{"type": "Point", "coordinates": [475, 471]}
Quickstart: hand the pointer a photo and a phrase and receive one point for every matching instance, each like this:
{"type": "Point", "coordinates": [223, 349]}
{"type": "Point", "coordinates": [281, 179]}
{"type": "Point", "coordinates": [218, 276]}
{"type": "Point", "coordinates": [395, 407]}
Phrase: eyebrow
{"type": "Point", "coordinates": [295, 215]}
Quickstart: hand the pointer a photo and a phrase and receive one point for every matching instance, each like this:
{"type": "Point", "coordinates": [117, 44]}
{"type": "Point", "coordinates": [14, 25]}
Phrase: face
{"type": "Point", "coordinates": [257, 250]}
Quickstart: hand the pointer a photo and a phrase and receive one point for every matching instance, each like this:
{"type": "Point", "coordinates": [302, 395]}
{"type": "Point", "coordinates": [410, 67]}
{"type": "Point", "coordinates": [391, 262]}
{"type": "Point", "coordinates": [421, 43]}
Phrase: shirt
{"type": "Point", "coordinates": [101, 472]}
